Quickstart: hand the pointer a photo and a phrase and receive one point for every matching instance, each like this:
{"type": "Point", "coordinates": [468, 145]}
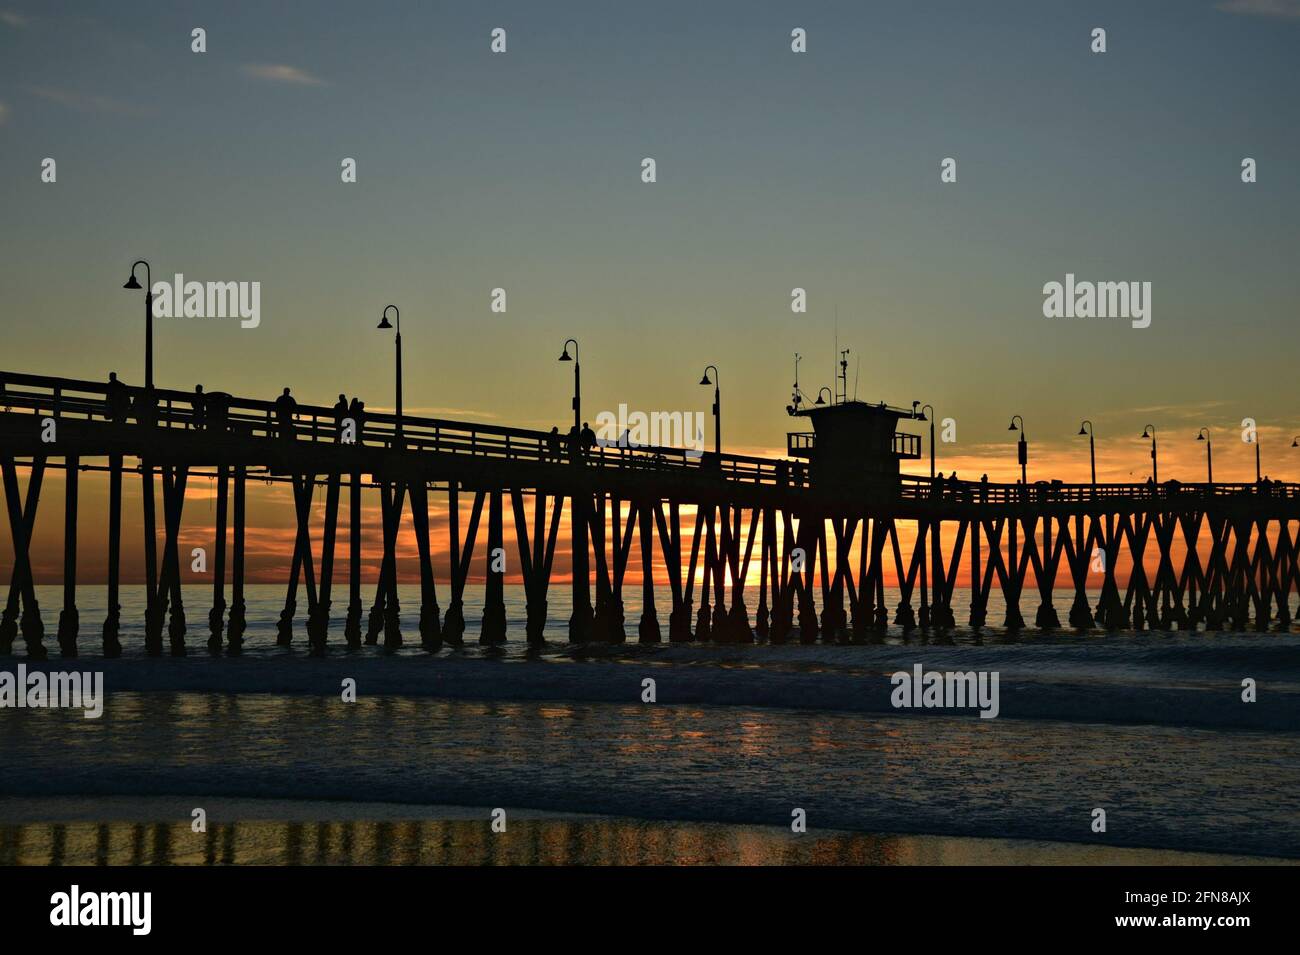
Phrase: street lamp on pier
{"type": "Point", "coordinates": [384, 323]}
{"type": "Point", "coordinates": [133, 283]}
{"type": "Point", "coordinates": [1204, 435]}
{"type": "Point", "coordinates": [717, 405]}
{"type": "Point", "coordinates": [577, 381]}
{"type": "Point", "coordinates": [931, 420]}
{"type": "Point", "coordinates": [1086, 428]}
{"type": "Point", "coordinates": [1150, 432]}
{"type": "Point", "coordinates": [1022, 448]}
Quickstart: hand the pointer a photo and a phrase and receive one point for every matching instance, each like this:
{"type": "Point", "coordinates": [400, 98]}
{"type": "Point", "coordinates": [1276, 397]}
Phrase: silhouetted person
{"type": "Point", "coordinates": [119, 403]}
{"type": "Point", "coordinates": [782, 473]}
{"type": "Point", "coordinates": [575, 442]}
{"type": "Point", "coordinates": [588, 438]}
{"type": "Point", "coordinates": [284, 409]}
{"type": "Point", "coordinates": [357, 412]}
{"type": "Point", "coordinates": [200, 405]}
{"type": "Point", "coordinates": [984, 488]}
{"type": "Point", "coordinates": [217, 411]}
{"type": "Point", "coordinates": [145, 408]}
{"type": "Point", "coordinates": [340, 412]}
{"type": "Point", "coordinates": [798, 474]}
{"type": "Point", "coordinates": [554, 445]}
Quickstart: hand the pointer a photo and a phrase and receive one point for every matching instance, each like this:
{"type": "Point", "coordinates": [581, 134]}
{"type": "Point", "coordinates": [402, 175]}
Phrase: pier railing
{"type": "Point", "coordinates": [256, 418]}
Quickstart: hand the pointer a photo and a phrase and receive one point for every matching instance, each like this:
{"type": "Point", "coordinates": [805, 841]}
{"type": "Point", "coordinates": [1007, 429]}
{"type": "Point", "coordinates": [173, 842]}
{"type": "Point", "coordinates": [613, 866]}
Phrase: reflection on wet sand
{"type": "Point", "coordinates": [532, 842]}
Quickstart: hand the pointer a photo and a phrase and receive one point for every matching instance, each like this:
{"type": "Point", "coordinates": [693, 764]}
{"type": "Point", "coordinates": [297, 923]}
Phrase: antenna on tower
{"type": "Point", "coordinates": [793, 406]}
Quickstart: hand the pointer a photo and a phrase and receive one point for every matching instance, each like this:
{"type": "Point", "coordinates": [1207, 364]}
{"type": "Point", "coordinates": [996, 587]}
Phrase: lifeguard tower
{"type": "Point", "coordinates": [852, 442]}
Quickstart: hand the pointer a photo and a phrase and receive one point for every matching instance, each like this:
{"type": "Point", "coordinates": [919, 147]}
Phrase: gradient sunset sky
{"type": "Point", "coordinates": [775, 170]}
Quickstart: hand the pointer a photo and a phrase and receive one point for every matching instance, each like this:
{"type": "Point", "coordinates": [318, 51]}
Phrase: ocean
{"type": "Point", "coordinates": [739, 742]}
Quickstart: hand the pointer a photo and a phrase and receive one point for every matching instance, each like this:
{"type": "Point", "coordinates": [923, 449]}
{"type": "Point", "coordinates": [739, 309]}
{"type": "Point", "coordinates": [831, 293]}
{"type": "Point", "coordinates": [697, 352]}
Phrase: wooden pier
{"type": "Point", "coordinates": [1227, 554]}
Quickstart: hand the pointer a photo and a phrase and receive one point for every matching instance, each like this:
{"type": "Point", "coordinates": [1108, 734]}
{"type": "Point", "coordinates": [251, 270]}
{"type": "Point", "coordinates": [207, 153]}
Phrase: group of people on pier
{"type": "Point", "coordinates": [210, 410]}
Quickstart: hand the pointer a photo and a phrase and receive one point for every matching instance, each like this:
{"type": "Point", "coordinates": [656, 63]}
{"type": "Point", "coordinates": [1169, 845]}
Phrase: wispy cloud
{"type": "Point", "coordinates": [16, 20]}
{"type": "Point", "coordinates": [85, 102]}
{"type": "Point", "coordinates": [281, 73]}
{"type": "Point", "coordinates": [1284, 9]}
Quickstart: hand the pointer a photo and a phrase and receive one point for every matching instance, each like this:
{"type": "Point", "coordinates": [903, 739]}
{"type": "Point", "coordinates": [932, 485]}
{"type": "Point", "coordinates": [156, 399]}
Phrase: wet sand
{"type": "Point", "coordinates": [158, 831]}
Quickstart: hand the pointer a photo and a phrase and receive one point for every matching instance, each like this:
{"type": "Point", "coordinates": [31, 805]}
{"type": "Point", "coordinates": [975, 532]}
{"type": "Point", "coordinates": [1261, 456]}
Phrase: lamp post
{"type": "Point", "coordinates": [820, 400]}
{"type": "Point", "coordinates": [1022, 449]}
{"type": "Point", "coordinates": [383, 323]}
{"type": "Point", "coordinates": [1150, 432]}
{"type": "Point", "coordinates": [1258, 477]}
{"type": "Point", "coordinates": [931, 420]}
{"type": "Point", "coordinates": [1086, 428]}
{"type": "Point", "coordinates": [132, 283]}
{"type": "Point", "coordinates": [1204, 435]}
{"type": "Point", "coordinates": [717, 405]}
{"type": "Point", "coordinates": [577, 381]}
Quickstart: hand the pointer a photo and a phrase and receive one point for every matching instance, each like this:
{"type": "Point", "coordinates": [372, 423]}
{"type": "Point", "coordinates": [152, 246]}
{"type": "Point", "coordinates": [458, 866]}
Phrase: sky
{"type": "Point", "coordinates": [775, 170]}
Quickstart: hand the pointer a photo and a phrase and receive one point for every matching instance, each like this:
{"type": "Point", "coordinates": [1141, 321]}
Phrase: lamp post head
{"type": "Point", "coordinates": [383, 319]}
{"type": "Point", "coordinates": [1295, 442]}
{"type": "Point", "coordinates": [384, 323]}
{"type": "Point", "coordinates": [1149, 432]}
{"type": "Point", "coordinates": [565, 356]}
{"type": "Point", "coordinates": [705, 379]}
{"type": "Point", "coordinates": [1012, 425]}
{"type": "Point", "coordinates": [133, 282]}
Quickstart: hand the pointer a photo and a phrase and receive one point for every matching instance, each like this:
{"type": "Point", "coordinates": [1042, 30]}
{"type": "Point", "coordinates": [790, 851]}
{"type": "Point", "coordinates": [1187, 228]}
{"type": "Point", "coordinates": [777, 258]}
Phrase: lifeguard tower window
{"type": "Point", "coordinates": [854, 439]}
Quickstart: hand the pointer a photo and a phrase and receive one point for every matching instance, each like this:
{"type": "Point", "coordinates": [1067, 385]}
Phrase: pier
{"type": "Point", "coordinates": [1226, 553]}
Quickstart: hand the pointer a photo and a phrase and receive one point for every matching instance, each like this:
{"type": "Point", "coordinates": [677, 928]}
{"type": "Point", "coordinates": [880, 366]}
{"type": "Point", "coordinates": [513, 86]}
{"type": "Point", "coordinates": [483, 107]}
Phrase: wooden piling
{"type": "Point", "coordinates": [236, 623]}
{"type": "Point", "coordinates": [69, 619]}
{"type": "Point", "coordinates": [217, 615]}
{"type": "Point", "coordinates": [113, 621]}
{"type": "Point", "coordinates": [492, 632]}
